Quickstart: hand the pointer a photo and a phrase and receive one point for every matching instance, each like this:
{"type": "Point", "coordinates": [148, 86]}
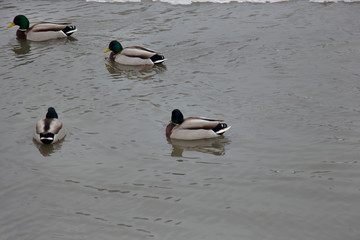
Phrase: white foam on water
{"type": "Point", "coordinates": [188, 2]}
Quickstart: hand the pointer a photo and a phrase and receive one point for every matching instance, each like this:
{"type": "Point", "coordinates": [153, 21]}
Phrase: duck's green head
{"type": "Point", "coordinates": [21, 21]}
{"type": "Point", "coordinates": [177, 117]}
{"type": "Point", "coordinates": [51, 113]}
{"type": "Point", "coordinates": [114, 46]}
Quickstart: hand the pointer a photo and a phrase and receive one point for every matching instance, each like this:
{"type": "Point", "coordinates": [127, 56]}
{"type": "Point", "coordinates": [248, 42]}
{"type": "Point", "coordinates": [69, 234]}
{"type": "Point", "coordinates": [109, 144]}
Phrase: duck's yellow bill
{"type": "Point", "coordinates": [108, 49]}
{"type": "Point", "coordinates": [11, 25]}
{"type": "Point", "coordinates": [170, 120]}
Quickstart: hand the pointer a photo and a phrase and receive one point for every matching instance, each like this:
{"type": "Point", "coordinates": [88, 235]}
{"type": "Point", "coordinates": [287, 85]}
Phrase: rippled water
{"type": "Point", "coordinates": [285, 76]}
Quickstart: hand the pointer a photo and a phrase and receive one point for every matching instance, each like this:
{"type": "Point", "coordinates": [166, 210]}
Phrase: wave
{"type": "Point", "coordinates": [188, 2]}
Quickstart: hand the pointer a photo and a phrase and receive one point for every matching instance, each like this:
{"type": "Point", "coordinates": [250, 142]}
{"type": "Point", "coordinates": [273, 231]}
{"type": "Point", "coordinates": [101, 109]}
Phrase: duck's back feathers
{"type": "Point", "coordinates": [52, 125]}
{"type": "Point", "coordinates": [199, 122]}
{"type": "Point", "coordinates": [48, 26]}
{"type": "Point", "coordinates": [137, 51]}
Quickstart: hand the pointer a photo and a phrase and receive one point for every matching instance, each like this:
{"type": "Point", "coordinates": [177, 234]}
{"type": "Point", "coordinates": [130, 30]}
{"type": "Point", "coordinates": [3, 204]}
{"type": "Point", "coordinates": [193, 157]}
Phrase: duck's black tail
{"type": "Point", "coordinates": [157, 58]}
{"type": "Point", "coordinates": [219, 127]}
{"type": "Point", "coordinates": [47, 138]}
{"type": "Point", "coordinates": [68, 30]}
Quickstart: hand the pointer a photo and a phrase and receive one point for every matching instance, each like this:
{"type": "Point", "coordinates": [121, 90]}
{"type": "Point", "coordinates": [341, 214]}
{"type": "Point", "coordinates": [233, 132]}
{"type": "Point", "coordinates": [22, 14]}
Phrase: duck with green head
{"type": "Point", "coordinates": [134, 55]}
{"type": "Point", "coordinates": [41, 31]}
{"type": "Point", "coordinates": [50, 129]}
{"type": "Point", "coordinates": [194, 128]}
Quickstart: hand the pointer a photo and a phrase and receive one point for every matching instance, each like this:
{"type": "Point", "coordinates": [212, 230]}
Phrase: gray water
{"type": "Point", "coordinates": [285, 76]}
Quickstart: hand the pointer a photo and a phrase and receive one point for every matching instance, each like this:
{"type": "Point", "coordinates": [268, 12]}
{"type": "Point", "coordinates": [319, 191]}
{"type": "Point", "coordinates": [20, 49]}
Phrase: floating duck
{"type": "Point", "coordinates": [50, 129]}
{"type": "Point", "coordinates": [41, 31]}
{"type": "Point", "coordinates": [194, 128]}
{"type": "Point", "coordinates": [134, 55]}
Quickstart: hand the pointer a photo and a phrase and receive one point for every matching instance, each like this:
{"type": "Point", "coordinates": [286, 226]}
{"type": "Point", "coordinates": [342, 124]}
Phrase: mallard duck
{"type": "Point", "coordinates": [50, 129]}
{"type": "Point", "coordinates": [134, 55]}
{"type": "Point", "coordinates": [41, 31]}
{"type": "Point", "coordinates": [194, 128]}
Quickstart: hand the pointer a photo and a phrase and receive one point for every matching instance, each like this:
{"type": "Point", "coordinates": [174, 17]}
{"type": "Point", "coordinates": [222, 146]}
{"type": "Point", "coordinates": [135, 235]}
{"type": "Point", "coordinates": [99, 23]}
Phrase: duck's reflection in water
{"type": "Point", "coordinates": [134, 71]}
{"type": "Point", "coordinates": [47, 149]}
{"type": "Point", "coordinates": [22, 47]}
{"type": "Point", "coordinates": [214, 146]}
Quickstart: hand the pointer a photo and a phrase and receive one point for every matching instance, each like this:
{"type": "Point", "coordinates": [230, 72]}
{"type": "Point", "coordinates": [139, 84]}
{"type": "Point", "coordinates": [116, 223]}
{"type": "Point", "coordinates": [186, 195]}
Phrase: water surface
{"type": "Point", "coordinates": [285, 76]}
